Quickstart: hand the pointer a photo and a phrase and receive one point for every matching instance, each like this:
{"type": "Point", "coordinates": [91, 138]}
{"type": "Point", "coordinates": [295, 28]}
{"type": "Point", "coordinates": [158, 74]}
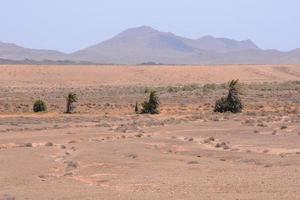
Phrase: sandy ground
{"type": "Point", "coordinates": [105, 151]}
{"type": "Point", "coordinates": [74, 76]}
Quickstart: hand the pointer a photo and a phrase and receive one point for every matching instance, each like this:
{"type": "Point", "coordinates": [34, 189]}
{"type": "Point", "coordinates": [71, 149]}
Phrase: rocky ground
{"type": "Point", "coordinates": [106, 151]}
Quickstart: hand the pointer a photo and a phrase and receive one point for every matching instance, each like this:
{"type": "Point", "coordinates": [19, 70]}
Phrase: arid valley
{"type": "Point", "coordinates": [106, 151]}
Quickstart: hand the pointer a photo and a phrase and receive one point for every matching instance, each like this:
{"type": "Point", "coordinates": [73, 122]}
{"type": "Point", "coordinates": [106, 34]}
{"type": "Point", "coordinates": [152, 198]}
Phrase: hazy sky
{"type": "Point", "coordinates": [68, 25]}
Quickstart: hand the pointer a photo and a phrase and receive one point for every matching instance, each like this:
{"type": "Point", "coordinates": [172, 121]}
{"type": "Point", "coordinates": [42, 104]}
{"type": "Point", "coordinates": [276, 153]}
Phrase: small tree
{"type": "Point", "coordinates": [39, 106]}
{"type": "Point", "coordinates": [71, 98]}
{"type": "Point", "coordinates": [231, 103]}
{"type": "Point", "coordinates": [152, 105]}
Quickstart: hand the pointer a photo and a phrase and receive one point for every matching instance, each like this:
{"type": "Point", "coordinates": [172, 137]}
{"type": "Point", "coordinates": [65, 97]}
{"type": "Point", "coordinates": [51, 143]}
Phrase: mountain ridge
{"type": "Point", "coordinates": [145, 44]}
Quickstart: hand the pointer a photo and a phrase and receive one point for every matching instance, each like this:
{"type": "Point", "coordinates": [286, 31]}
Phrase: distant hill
{"type": "Point", "coordinates": [15, 52]}
{"type": "Point", "coordinates": [147, 45]}
{"type": "Point", "coordinates": [144, 44]}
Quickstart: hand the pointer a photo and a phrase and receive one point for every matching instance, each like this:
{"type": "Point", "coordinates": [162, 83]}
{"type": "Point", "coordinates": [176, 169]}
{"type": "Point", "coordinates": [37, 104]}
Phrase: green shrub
{"type": "Point", "coordinates": [71, 98]}
{"type": "Point", "coordinates": [231, 103]}
{"type": "Point", "coordinates": [39, 106]}
{"type": "Point", "coordinates": [152, 105]}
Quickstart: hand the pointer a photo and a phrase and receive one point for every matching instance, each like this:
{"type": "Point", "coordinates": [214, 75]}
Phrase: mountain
{"type": "Point", "coordinates": [144, 44]}
{"type": "Point", "coordinates": [15, 52]}
{"type": "Point", "coordinates": [147, 45]}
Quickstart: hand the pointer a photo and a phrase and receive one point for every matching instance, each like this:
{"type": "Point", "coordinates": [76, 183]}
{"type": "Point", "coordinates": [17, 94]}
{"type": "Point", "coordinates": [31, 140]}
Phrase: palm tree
{"type": "Point", "coordinates": [71, 98]}
{"type": "Point", "coordinates": [152, 105]}
{"type": "Point", "coordinates": [231, 103]}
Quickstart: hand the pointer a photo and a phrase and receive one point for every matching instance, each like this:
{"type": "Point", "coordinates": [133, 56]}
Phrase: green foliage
{"type": "Point", "coordinates": [39, 106]}
{"type": "Point", "coordinates": [152, 105]}
{"type": "Point", "coordinates": [71, 98]}
{"type": "Point", "coordinates": [231, 103]}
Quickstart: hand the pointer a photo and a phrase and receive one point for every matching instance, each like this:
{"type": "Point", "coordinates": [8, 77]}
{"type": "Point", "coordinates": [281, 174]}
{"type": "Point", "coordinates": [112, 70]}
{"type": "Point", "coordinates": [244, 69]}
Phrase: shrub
{"type": "Point", "coordinates": [152, 105]}
{"type": "Point", "coordinates": [71, 98]}
{"type": "Point", "coordinates": [209, 87]}
{"type": "Point", "coordinates": [173, 89]}
{"type": "Point", "coordinates": [231, 103]}
{"type": "Point", "coordinates": [190, 87]}
{"type": "Point", "coordinates": [39, 106]}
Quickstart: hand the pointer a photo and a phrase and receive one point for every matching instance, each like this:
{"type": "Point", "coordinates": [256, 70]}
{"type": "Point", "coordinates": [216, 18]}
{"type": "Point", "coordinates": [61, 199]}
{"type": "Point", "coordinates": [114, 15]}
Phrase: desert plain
{"type": "Point", "coordinates": [106, 151]}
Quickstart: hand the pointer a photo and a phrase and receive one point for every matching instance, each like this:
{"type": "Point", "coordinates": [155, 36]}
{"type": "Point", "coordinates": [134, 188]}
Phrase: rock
{"type": "Point", "coordinates": [28, 144]}
{"type": "Point", "coordinates": [208, 140]}
{"type": "Point", "coordinates": [139, 135]}
{"type": "Point", "coordinates": [218, 145]}
{"type": "Point", "coordinates": [265, 151]}
{"type": "Point", "coordinates": [42, 176]}
{"type": "Point", "coordinates": [267, 165]}
{"type": "Point", "coordinates": [133, 156]}
{"type": "Point", "coordinates": [193, 162]}
{"type": "Point", "coordinates": [68, 174]}
{"type": "Point", "coordinates": [283, 127]}
{"type": "Point", "coordinates": [72, 164]}
{"type": "Point", "coordinates": [49, 144]}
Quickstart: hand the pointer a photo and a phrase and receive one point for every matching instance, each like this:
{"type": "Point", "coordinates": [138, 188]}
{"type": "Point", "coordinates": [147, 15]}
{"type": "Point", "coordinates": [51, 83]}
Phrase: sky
{"type": "Point", "coordinates": [70, 25]}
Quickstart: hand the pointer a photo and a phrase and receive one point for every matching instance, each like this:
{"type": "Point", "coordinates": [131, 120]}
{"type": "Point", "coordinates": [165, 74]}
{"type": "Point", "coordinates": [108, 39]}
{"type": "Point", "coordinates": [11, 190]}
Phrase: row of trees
{"type": "Point", "coordinates": [230, 103]}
